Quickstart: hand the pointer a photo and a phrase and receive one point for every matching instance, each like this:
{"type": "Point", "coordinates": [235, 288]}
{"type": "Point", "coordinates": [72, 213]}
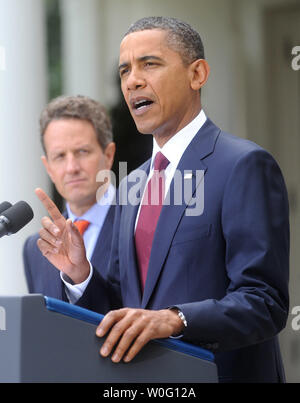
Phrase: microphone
{"type": "Point", "coordinates": [4, 206]}
{"type": "Point", "coordinates": [15, 218]}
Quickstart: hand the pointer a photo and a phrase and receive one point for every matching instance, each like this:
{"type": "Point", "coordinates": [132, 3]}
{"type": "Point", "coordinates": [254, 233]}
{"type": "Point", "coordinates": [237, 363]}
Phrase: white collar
{"type": "Point", "coordinates": [175, 147]}
{"type": "Point", "coordinates": [97, 210]}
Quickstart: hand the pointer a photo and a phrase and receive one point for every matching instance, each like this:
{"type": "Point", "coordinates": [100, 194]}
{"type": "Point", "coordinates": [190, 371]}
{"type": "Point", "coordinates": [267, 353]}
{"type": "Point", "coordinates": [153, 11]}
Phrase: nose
{"type": "Point", "coordinates": [72, 165]}
{"type": "Point", "coordinates": [135, 80]}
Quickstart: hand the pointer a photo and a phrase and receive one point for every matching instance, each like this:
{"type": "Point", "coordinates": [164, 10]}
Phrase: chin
{"type": "Point", "coordinates": [145, 129]}
{"type": "Point", "coordinates": [76, 197]}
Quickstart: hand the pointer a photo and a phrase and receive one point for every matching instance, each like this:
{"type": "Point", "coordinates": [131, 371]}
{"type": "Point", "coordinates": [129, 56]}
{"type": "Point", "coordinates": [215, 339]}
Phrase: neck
{"type": "Point", "coordinates": [163, 134]}
{"type": "Point", "coordinates": [80, 209]}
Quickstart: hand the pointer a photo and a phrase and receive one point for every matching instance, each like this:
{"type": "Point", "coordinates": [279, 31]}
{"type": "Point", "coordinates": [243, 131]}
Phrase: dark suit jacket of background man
{"type": "Point", "coordinates": [227, 270]}
{"type": "Point", "coordinates": [43, 278]}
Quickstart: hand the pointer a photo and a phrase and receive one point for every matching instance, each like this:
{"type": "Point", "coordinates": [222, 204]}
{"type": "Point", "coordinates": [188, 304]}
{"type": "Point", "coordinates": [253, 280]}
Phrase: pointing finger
{"type": "Point", "coordinates": [51, 207]}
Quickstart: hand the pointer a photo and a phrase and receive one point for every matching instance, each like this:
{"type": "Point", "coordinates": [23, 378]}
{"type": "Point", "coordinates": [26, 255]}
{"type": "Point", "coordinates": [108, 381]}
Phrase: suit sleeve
{"type": "Point", "coordinates": [255, 223]}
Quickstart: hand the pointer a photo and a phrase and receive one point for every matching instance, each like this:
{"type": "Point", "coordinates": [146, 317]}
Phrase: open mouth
{"type": "Point", "coordinates": [141, 105]}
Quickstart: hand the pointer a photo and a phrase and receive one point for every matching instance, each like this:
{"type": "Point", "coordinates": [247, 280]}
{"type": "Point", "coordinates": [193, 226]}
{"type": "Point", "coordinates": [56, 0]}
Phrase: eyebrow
{"type": "Point", "coordinates": [76, 148]}
{"type": "Point", "coordinates": [141, 59]}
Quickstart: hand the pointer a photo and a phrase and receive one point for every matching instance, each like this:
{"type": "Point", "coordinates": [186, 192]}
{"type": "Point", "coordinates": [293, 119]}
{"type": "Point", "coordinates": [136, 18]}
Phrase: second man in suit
{"type": "Point", "coordinates": [76, 136]}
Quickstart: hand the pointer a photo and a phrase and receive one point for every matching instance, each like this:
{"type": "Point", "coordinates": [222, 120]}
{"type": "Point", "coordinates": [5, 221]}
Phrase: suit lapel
{"type": "Point", "coordinates": [191, 162]}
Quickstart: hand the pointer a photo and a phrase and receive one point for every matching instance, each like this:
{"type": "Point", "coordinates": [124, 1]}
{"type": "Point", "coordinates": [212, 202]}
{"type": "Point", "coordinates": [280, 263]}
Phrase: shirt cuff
{"type": "Point", "coordinates": [75, 291]}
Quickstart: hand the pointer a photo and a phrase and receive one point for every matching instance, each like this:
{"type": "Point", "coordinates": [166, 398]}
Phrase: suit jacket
{"type": "Point", "coordinates": [43, 278]}
{"type": "Point", "coordinates": [226, 269]}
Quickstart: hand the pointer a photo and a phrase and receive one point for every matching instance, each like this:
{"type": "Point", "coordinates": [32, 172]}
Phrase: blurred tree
{"type": "Point", "coordinates": [54, 53]}
{"type": "Point", "coordinates": [54, 48]}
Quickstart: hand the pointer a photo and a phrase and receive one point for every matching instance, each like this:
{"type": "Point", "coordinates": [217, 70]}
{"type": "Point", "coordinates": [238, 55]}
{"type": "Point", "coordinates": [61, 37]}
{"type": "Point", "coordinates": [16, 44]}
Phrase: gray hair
{"type": "Point", "coordinates": [78, 107]}
{"type": "Point", "coordinates": [181, 37]}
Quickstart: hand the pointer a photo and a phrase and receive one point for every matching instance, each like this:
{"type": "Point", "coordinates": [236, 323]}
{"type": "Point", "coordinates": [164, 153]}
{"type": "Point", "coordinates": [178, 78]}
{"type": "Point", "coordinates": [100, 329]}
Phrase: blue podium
{"type": "Point", "coordinates": [47, 340]}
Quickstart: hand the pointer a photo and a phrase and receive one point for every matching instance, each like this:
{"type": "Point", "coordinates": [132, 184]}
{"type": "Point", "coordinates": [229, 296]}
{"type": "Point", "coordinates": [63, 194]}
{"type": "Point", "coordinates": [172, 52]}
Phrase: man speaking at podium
{"type": "Point", "coordinates": [216, 275]}
{"type": "Point", "coordinates": [76, 136]}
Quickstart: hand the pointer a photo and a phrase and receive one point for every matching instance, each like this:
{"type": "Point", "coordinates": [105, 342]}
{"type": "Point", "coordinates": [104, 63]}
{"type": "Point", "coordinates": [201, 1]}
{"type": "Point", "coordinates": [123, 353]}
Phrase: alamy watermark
{"type": "Point", "coordinates": [296, 320]}
{"type": "Point", "coordinates": [2, 59]}
{"type": "Point", "coordinates": [187, 188]}
{"type": "Point", "coordinates": [296, 59]}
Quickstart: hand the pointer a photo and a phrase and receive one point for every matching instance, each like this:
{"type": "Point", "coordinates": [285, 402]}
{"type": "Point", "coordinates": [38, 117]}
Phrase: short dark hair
{"type": "Point", "coordinates": [78, 107]}
{"type": "Point", "coordinates": [181, 37]}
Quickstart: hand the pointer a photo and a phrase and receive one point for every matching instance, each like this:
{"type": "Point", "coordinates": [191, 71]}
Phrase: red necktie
{"type": "Point", "coordinates": [149, 214]}
{"type": "Point", "coordinates": [81, 225]}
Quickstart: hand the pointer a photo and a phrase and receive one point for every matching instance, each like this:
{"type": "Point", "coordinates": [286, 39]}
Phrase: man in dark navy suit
{"type": "Point", "coordinates": [208, 261]}
{"type": "Point", "coordinates": [76, 135]}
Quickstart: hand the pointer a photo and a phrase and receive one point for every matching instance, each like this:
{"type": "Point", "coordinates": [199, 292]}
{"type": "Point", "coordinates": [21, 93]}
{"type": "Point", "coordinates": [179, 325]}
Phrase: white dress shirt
{"type": "Point", "coordinates": [173, 151]}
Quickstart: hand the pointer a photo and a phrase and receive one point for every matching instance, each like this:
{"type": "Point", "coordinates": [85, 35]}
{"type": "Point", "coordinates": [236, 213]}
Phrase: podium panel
{"type": "Point", "coordinates": [46, 340]}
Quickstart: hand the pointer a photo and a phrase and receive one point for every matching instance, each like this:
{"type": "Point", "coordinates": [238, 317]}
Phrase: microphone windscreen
{"type": "Point", "coordinates": [18, 215]}
{"type": "Point", "coordinates": [4, 206]}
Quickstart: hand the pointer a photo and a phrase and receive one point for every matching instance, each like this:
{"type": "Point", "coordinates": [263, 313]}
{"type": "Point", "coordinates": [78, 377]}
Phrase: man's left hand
{"type": "Point", "coordinates": [130, 329]}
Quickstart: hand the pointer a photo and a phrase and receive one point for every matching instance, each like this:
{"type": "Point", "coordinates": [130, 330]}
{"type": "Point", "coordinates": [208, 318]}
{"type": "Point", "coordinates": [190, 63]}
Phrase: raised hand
{"type": "Point", "coordinates": [61, 243]}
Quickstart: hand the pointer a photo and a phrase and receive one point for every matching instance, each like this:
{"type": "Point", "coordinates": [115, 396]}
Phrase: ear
{"type": "Point", "coordinates": [199, 74]}
{"type": "Point", "coordinates": [109, 153]}
{"type": "Point", "coordinates": [46, 165]}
